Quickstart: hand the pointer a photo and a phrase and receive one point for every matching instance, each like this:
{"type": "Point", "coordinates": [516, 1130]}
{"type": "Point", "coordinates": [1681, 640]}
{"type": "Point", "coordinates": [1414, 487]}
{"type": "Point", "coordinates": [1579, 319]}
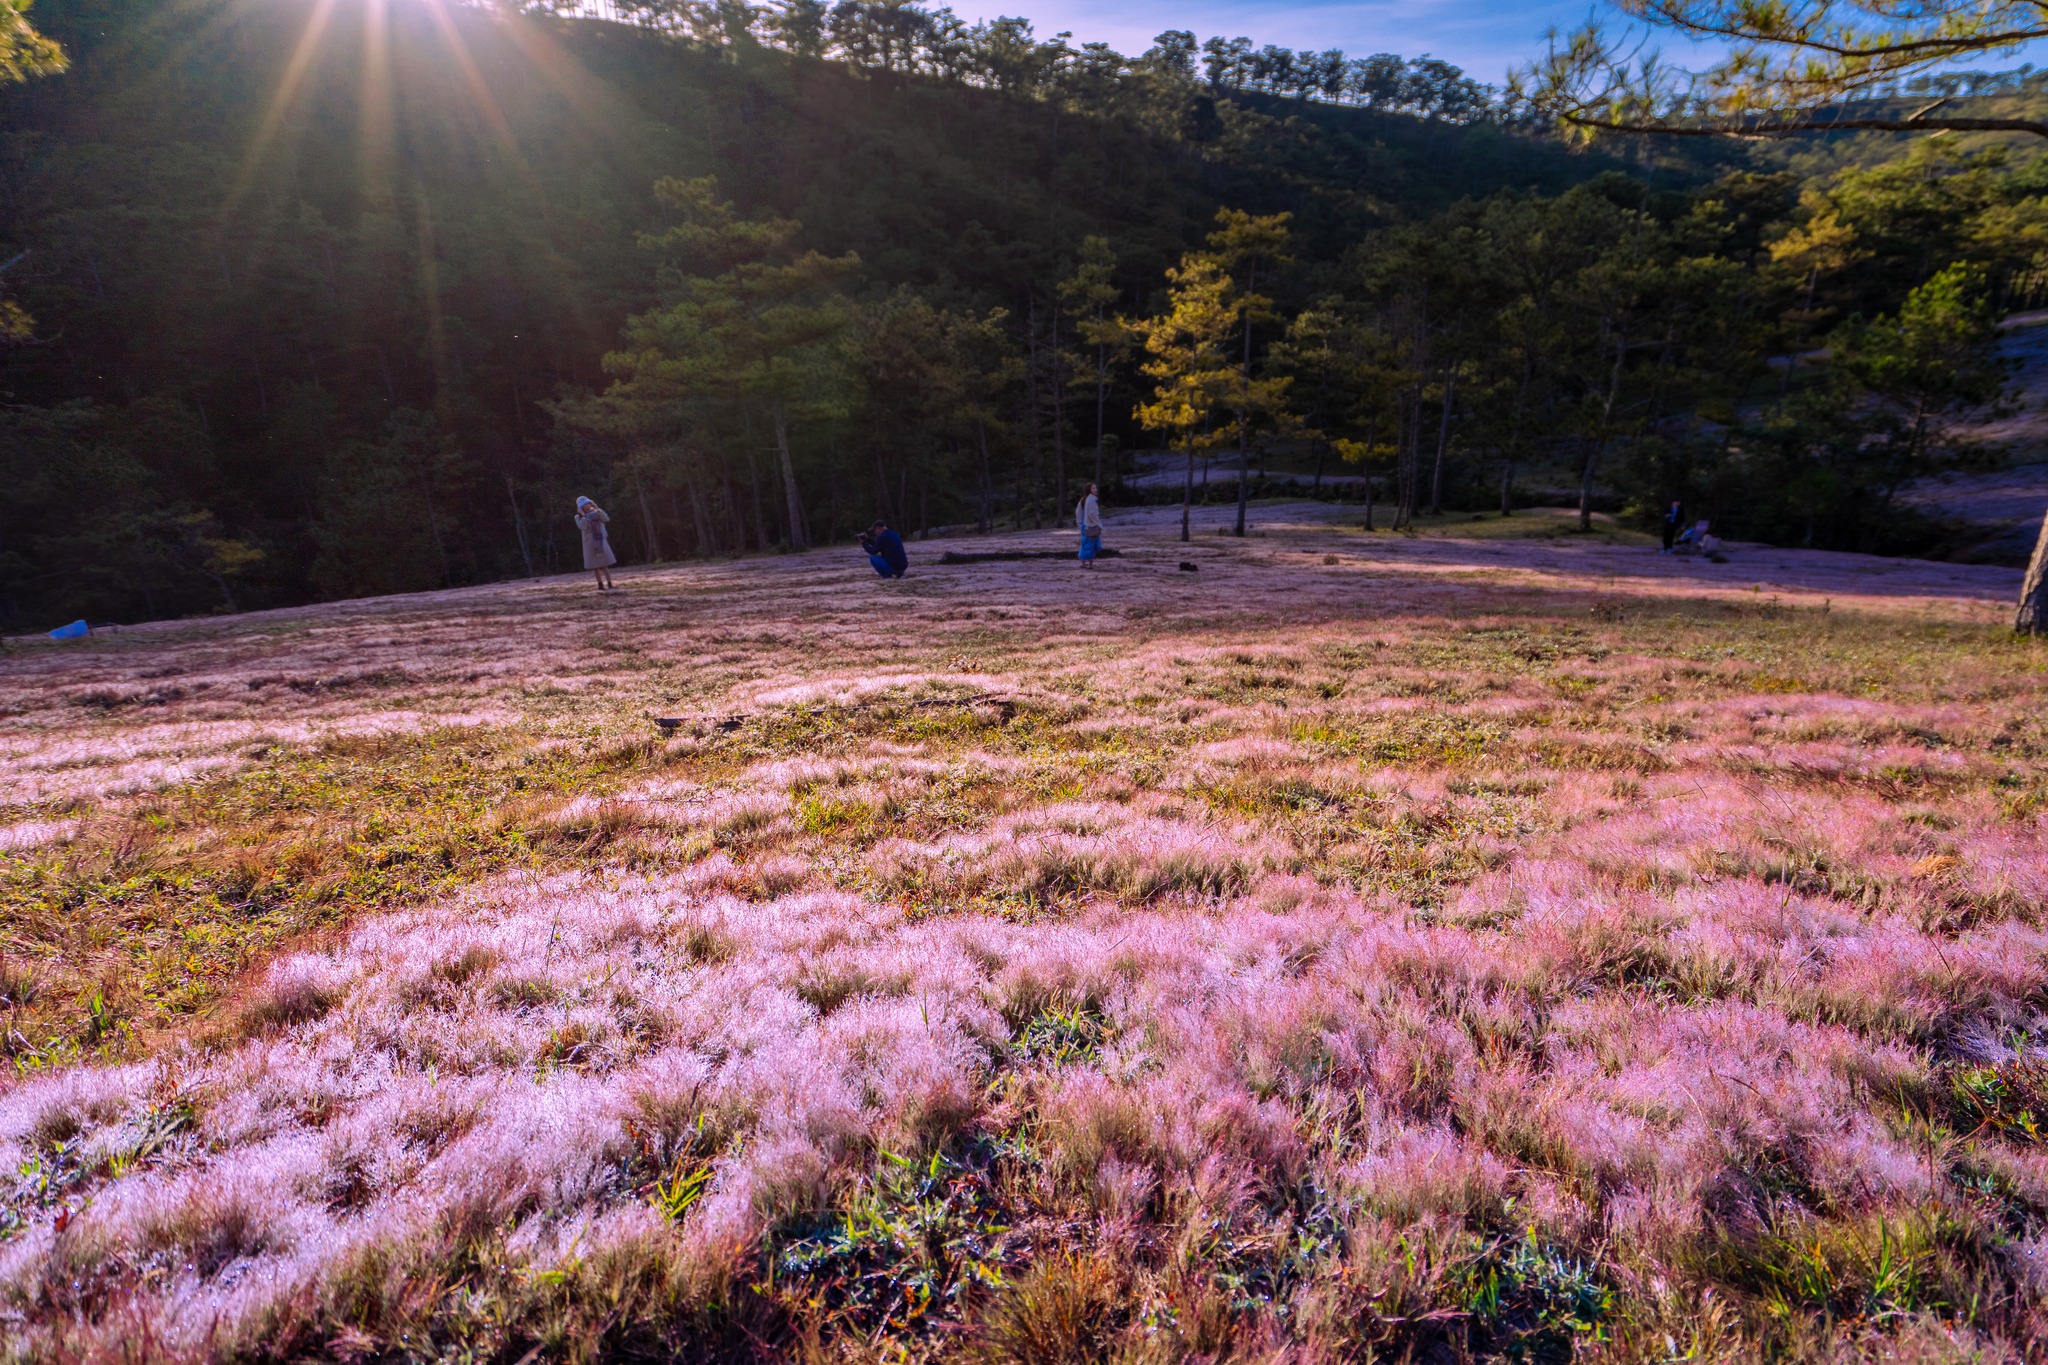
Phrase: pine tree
{"type": "Point", "coordinates": [1090, 294]}
{"type": "Point", "coordinates": [1189, 361]}
{"type": "Point", "coordinates": [1245, 247]}
{"type": "Point", "coordinates": [762, 331]}
{"type": "Point", "coordinates": [23, 51]}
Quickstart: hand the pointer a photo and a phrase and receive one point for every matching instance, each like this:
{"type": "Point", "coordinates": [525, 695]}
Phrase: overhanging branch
{"type": "Point", "coordinates": [1769, 128]}
{"type": "Point", "coordinates": [1915, 50]}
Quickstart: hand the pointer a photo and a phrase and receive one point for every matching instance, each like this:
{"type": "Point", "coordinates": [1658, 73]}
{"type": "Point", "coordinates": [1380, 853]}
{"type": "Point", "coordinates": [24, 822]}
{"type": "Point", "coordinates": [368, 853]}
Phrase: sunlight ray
{"type": "Point", "coordinates": [500, 131]}
{"type": "Point", "coordinates": [280, 104]}
{"type": "Point", "coordinates": [480, 90]}
{"type": "Point", "coordinates": [430, 290]}
{"type": "Point", "coordinates": [378, 117]}
{"type": "Point", "coordinates": [593, 102]}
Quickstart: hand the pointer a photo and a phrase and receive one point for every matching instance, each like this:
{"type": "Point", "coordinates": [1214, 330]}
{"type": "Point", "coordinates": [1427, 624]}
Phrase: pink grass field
{"type": "Point", "coordinates": [1466, 946]}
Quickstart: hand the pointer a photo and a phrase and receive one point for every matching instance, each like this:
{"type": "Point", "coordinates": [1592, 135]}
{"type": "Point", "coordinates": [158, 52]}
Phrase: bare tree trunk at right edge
{"type": "Point", "coordinates": [2033, 613]}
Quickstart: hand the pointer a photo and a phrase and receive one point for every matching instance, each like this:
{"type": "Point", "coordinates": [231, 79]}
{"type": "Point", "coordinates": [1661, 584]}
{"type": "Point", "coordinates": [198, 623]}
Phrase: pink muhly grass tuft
{"type": "Point", "coordinates": [1414, 1173]}
{"type": "Point", "coordinates": [1089, 849]}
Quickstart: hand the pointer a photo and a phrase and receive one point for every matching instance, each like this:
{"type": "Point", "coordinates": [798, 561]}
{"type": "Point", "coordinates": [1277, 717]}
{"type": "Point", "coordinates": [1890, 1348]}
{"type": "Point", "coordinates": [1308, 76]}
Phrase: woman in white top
{"type": "Point", "coordinates": [1088, 516]}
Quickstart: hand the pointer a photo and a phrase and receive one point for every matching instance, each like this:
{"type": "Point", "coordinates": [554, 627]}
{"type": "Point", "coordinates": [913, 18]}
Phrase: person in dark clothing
{"type": "Point", "coordinates": [885, 551]}
{"type": "Point", "coordinates": [1674, 521]}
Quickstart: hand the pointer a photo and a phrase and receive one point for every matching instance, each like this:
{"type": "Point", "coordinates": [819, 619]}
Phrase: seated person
{"type": "Point", "coordinates": [885, 551]}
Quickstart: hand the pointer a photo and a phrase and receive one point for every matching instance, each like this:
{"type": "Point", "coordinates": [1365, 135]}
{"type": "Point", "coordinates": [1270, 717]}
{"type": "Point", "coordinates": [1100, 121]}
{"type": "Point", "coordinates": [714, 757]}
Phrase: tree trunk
{"type": "Point", "coordinates": [1594, 451]}
{"type": "Point", "coordinates": [519, 527]}
{"type": "Point", "coordinates": [1372, 439]}
{"type": "Point", "coordinates": [434, 533]}
{"type": "Point", "coordinates": [1187, 496]}
{"type": "Point", "coordinates": [1443, 441]}
{"type": "Point", "coordinates": [707, 538]}
{"type": "Point", "coordinates": [1059, 421]}
{"type": "Point", "coordinates": [1244, 468]}
{"type": "Point", "coordinates": [2033, 613]}
{"type": "Point", "coordinates": [1244, 454]}
{"type": "Point", "coordinates": [654, 555]}
{"type": "Point", "coordinates": [1507, 469]}
{"type": "Point", "coordinates": [798, 539]}
{"type": "Point", "coordinates": [739, 518]}
{"type": "Point", "coordinates": [1101, 406]}
{"type": "Point", "coordinates": [1032, 412]}
{"type": "Point", "coordinates": [1408, 460]}
{"type": "Point", "coordinates": [754, 488]}
{"type": "Point", "coordinates": [988, 477]}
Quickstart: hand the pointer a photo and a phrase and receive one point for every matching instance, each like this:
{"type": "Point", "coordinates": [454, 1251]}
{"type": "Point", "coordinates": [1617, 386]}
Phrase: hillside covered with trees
{"type": "Point", "coordinates": [315, 300]}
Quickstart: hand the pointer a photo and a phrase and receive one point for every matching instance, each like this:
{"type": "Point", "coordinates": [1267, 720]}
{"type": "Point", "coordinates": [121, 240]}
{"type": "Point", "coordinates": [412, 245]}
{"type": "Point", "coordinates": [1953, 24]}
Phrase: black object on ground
{"type": "Point", "coordinates": [670, 726]}
{"type": "Point", "coordinates": [1004, 556]}
{"type": "Point", "coordinates": [1189, 567]}
{"type": "Point", "coordinates": [1006, 707]}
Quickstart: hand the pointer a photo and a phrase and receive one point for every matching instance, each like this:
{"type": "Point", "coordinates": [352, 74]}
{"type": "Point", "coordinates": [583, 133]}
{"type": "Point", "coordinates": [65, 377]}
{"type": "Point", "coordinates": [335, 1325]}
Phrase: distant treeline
{"type": "Point", "coordinates": [906, 38]}
{"type": "Point", "coordinates": [1006, 54]}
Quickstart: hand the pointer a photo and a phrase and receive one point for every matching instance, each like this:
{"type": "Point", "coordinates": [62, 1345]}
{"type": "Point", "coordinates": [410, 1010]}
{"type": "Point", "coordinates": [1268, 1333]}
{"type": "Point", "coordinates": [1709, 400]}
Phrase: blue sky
{"type": "Point", "coordinates": [1483, 36]}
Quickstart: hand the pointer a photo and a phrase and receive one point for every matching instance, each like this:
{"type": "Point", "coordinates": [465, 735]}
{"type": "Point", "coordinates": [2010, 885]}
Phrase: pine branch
{"type": "Point", "coordinates": [1793, 125]}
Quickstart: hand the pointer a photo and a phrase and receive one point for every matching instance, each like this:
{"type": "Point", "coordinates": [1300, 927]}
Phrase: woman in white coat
{"type": "Point", "coordinates": [591, 520]}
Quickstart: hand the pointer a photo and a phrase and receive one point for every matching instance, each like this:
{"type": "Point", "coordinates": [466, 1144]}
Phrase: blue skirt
{"type": "Point", "coordinates": [1091, 546]}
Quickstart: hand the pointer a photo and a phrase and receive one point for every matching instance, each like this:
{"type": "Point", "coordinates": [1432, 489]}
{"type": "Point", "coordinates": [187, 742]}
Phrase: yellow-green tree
{"type": "Point", "coordinates": [1188, 359]}
{"type": "Point", "coordinates": [1245, 248]}
{"type": "Point", "coordinates": [23, 51]}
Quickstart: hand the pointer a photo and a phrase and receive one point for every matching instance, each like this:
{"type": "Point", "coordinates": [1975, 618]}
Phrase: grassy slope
{"type": "Point", "coordinates": [1460, 942]}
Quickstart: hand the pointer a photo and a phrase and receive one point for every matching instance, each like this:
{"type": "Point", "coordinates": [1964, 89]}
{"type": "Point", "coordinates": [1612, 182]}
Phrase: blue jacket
{"type": "Point", "coordinates": [889, 546]}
